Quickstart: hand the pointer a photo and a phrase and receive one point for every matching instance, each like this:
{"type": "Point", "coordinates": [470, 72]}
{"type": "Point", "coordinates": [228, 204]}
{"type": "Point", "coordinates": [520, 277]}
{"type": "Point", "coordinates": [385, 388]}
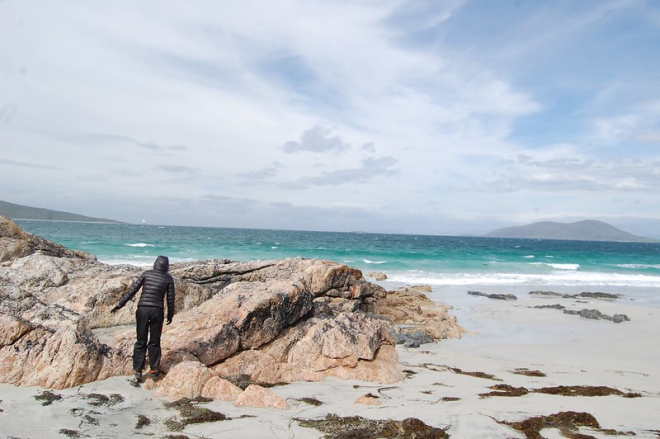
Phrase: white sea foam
{"type": "Point", "coordinates": [140, 244]}
{"type": "Point", "coordinates": [564, 278]}
{"type": "Point", "coordinates": [529, 257]}
{"type": "Point", "coordinates": [565, 266]}
{"type": "Point", "coordinates": [137, 262]}
{"type": "Point", "coordinates": [141, 261]}
{"type": "Point", "coordinates": [368, 261]}
{"type": "Point", "coordinates": [558, 266]}
{"type": "Point", "coordinates": [638, 266]}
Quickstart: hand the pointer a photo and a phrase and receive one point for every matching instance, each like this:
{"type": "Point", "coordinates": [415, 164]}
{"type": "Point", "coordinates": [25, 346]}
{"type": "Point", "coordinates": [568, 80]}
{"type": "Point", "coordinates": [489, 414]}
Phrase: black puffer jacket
{"type": "Point", "coordinates": [155, 285]}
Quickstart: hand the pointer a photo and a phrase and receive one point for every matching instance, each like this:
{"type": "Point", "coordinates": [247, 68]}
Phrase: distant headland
{"type": "Point", "coordinates": [16, 211]}
{"type": "Point", "coordinates": [587, 230]}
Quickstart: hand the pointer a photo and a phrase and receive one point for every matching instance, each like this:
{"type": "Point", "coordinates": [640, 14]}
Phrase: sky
{"type": "Point", "coordinates": [427, 117]}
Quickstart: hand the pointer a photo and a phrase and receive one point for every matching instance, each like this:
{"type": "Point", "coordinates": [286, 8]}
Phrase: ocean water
{"type": "Point", "coordinates": [468, 262]}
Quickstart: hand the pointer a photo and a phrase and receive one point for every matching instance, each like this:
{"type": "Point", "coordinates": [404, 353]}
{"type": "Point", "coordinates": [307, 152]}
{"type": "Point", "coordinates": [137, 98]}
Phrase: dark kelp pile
{"type": "Point", "coordinates": [357, 427]}
{"type": "Point", "coordinates": [568, 423]}
{"type": "Point", "coordinates": [311, 401]}
{"type": "Point", "coordinates": [443, 368]}
{"type": "Point", "coordinates": [98, 400]}
{"type": "Point", "coordinates": [484, 375]}
{"type": "Point", "coordinates": [191, 413]}
{"type": "Point", "coordinates": [142, 422]}
{"type": "Point", "coordinates": [529, 373]}
{"type": "Point", "coordinates": [510, 391]}
{"type": "Point", "coordinates": [47, 397]}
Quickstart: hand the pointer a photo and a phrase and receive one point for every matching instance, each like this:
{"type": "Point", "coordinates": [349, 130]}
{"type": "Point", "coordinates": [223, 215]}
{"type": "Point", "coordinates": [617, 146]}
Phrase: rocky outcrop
{"type": "Point", "coordinates": [377, 275]}
{"type": "Point", "coordinates": [368, 399]}
{"type": "Point", "coordinates": [57, 359]}
{"type": "Point", "coordinates": [260, 397]}
{"type": "Point", "coordinates": [419, 319]}
{"type": "Point", "coordinates": [494, 296]}
{"type": "Point", "coordinates": [583, 295]}
{"type": "Point", "coordinates": [274, 321]}
{"type": "Point", "coordinates": [594, 314]}
{"type": "Point", "coordinates": [349, 346]}
{"type": "Point", "coordinates": [17, 243]}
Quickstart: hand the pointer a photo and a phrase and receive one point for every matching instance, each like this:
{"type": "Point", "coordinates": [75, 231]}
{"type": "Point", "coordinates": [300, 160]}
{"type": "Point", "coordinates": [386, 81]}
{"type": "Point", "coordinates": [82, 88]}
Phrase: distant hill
{"type": "Point", "coordinates": [16, 211]}
{"type": "Point", "coordinates": [588, 230]}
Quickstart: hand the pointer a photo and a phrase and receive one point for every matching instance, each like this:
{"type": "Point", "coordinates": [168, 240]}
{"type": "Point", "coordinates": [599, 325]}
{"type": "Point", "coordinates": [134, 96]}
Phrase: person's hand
{"type": "Point", "coordinates": [114, 310]}
{"type": "Point", "coordinates": [169, 320]}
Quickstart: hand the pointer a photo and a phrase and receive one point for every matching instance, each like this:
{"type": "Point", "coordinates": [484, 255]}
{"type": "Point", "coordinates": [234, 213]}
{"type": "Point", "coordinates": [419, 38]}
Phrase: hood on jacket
{"type": "Point", "coordinates": [162, 264]}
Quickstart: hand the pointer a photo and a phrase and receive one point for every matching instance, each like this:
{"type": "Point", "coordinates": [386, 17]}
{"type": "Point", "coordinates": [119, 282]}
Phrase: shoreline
{"type": "Point", "coordinates": [503, 337]}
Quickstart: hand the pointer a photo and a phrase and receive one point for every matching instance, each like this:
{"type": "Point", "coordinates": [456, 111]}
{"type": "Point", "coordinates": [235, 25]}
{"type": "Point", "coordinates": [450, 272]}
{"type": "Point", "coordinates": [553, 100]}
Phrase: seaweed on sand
{"type": "Point", "coordinates": [487, 376]}
{"type": "Point", "coordinates": [507, 390]}
{"type": "Point", "coordinates": [585, 391]}
{"type": "Point", "coordinates": [349, 427]}
{"type": "Point", "coordinates": [529, 373]}
{"type": "Point", "coordinates": [48, 397]}
{"type": "Point", "coordinates": [568, 423]}
{"type": "Point", "coordinates": [70, 433]}
{"type": "Point", "coordinates": [311, 401]}
{"type": "Point", "coordinates": [87, 419]}
{"type": "Point", "coordinates": [442, 368]}
{"type": "Point", "coordinates": [97, 399]}
{"type": "Point", "coordinates": [192, 413]}
{"type": "Point", "coordinates": [142, 421]}
{"type": "Point", "coordinates": [409, 373]}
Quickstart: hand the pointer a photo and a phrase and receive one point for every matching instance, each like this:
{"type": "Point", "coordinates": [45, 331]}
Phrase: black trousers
{"type": "Point", "coordinates": [149, 328]}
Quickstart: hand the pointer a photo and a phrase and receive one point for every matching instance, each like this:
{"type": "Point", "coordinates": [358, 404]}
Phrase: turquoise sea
{"type": "Point", "coordinates": [435, 260]}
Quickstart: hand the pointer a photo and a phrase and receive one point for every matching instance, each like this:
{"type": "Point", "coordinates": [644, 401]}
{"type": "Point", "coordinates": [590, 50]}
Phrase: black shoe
{"type": "Point", "coordinates": [138, 376]}
{"type": "Point", "coordinates": [155, 374]}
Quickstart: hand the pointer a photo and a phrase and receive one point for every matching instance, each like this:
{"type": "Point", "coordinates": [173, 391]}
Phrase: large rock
{"type": "Point", "coordinates": [64, 358]}
{"type": "Point", "coordinates": [412, 308]}
{"type": "Point", "coordinates": [185, 380]}
{"type": "Point", "coordinates": [219, 388]}
{"type": "Point", "coordinates": [245, 316]}
{"type": "Point", "coordinates": [260, 397]}
{"type": "Point", "coordinates": [276, 321]}
{"type": "Point", "coordinates": [17, 243]}
{"type": "Point", "coordinates": [351, 346]}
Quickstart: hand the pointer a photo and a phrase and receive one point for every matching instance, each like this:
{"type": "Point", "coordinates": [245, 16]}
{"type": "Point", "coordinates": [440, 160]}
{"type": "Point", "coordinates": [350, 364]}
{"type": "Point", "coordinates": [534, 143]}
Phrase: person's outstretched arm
{"type": "Point", "coordinates": [130, 293]}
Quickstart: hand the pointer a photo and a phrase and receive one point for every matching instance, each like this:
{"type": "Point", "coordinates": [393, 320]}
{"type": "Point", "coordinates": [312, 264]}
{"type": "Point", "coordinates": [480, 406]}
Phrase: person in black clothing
{"type": "Point", "coordinates": [156, 284]}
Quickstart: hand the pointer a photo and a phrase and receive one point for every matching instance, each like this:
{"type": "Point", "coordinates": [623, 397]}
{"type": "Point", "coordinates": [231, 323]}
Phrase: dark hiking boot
{"type": "Point", "coordinates": [138, 376]}
{"type": "Point", "coordinates": [155, 374]}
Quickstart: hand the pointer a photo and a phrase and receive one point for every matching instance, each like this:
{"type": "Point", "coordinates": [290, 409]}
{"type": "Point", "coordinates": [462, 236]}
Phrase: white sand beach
{"type": "Point", "coordinates": [503, 337]}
